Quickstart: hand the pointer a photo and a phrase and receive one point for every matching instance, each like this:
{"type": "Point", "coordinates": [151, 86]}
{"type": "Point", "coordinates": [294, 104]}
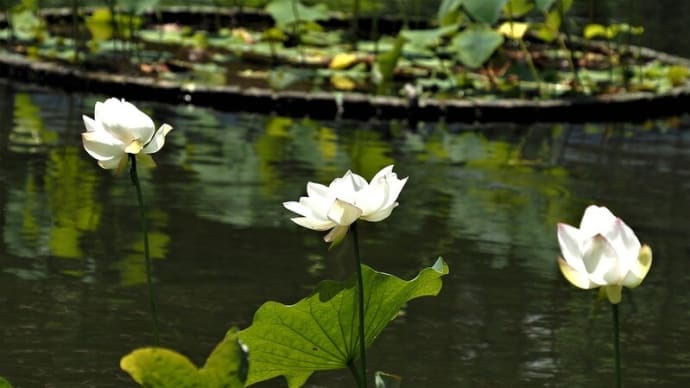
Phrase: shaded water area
{"type": "Point", "coordinates": [487, 199]}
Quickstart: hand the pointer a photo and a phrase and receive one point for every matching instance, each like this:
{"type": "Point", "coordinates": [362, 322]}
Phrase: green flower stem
{"type": "Point", "coordinates": [147, 256]}
{"type": "Point", "coordinates": [360, 284]}
{"type": "Point", "coordinates": [616, 344]}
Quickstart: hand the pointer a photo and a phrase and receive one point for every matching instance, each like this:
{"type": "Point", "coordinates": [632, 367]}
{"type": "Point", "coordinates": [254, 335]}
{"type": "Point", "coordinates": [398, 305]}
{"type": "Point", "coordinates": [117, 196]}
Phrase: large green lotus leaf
{"type": "Point", "coordinates": [487, 11]}
{"type": "Point", "coordinates": [226, 367]}
{"type": "Point", "coordinates": [320, 332]}
{"type": "Point", "coordinates": [4, 383]}
{"type": "Point", "coordinates": [286, 12]}
{"type": "Point", "coordinates": [474, 46]}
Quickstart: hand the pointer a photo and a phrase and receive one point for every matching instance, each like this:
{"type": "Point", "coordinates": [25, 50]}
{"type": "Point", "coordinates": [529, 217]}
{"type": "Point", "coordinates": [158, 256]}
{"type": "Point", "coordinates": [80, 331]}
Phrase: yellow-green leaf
{"type": "Point", "coordinates": [513, 30]}
{"type": "Point", "coordinates": [226, 367]}
{"type": "Point", "coordinates": [342, 61]}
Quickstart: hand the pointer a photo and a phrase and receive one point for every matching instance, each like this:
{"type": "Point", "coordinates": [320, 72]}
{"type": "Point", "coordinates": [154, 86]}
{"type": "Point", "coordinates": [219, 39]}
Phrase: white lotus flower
{"type": "Point", "coordinates": [119, 128]}
{"type": "Point", "coordinates": [603, 252]}
{"type": "Point", "coordinates": [346, 200]}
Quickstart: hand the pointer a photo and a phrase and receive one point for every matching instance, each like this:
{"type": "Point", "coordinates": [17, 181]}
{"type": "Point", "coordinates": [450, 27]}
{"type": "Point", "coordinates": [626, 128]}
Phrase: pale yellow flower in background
{"type": "Point", "coordinates": [346, 200]}
{"type": "Point", "coordinates": [603, 252]}
{"type": "Point", "coordinates": [119, 128]}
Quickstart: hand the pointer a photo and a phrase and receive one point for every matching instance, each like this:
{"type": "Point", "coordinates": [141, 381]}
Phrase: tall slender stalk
{"type": "Point", "coordinates": [360, 284]}
{"type": "Point", "coordinates": [354, 23]}
{"type": "Point", "coordinates": [147, 256]}
{"type": "Point", "coordinates": [572, 61]}
{"type": "Point", "coordinates": [296, 30]}
{"type": "Point", "coordinates": [616, 344]}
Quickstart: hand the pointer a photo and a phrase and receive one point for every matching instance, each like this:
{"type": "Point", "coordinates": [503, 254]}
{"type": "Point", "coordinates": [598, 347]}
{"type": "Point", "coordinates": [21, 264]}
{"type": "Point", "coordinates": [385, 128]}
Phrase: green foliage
{"type": "Point", "coordinates": [320, 332]}
{"type": "Point", "coordinates": [544, 5]}
{"type": "Point", "coordinates": [4, 383]}
{"type": "Point", "coordinates": [385, 64]}
{"type": "Point", "coordinates": [226, 367]}
{"type": "Point", "coordinates": [518, 8]}
{"type": "Point", "coordinates": [100, 24]}
{"type": "Point", "coordinates": [609, 32]}
{"type": "Point", "coordinates": [26, 23]}
{"type": "Point", "coordinates": [485, 11]}
{"type": "Point", "coordinates": [430, 37]}
{"type": "Point", "coordinates": [287, 12]}
{"type": "Point", "coordinates": [137, 7]}
{"type": "Point", "coordinates": [449, 12]}
{"type": "Point", "coordinates": [474, 46]}
{"type": "Point", "coordinates": [549, 29]}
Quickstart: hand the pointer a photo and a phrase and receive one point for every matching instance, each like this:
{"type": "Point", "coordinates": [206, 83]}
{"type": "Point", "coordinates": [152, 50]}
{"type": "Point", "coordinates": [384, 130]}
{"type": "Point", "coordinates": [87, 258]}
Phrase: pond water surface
{"type": "Point", "coordinates": [487, 199]}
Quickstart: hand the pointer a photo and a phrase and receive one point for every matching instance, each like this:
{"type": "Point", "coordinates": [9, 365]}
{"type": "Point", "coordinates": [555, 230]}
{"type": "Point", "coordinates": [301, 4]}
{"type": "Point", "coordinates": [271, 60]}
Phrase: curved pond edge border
{"type": "Point", "coordinates": [636, 106]}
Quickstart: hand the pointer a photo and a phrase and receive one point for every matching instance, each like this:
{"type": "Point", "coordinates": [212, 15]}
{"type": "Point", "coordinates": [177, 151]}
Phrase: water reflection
{"type": "Point", "coordinates": [487, 199]}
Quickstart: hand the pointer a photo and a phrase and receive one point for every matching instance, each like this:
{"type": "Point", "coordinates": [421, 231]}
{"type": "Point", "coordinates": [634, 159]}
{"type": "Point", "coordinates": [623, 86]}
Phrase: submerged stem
{"type": "Point", "coordinates": [616, 344]}
{"type": "Point", "coordinates": [147, 256]}
{"type": "Point", "coordinates": [360, 284]}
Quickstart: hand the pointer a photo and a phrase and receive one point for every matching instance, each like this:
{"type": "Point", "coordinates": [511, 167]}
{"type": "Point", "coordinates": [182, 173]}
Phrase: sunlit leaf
{"type": "Point", "coordinates": [100, 24]}
{"type": "Point", "coordinates": [4, 383]}
{"type": "Point", "coordinates": [449, 12]}
{"type": "Point", "coordinates": [610, 32]}
{"type": "Point", "coordinates": [385, 380]}
{"type": "Point", "coordinates": [474, 46]}
{"type": "Point", "coordinates": [342, 82]}
{"type": "Point", "coordinates": [487, 11]}
{"type": "Point", "coordinates": [678, 75]}
{"type": "Point", "coordinates": [385, 64]}
{"type": "Point", "coordinates": [26, 24]}
{"type": "Point", "coordinates": [320, 332]}
{"type": "Point", "coordinates": [286, 12]}
{"type": "Point", "coordinates": [513, 30]}
{"type": "Point", "coordinates": [517, 8]}
{"type": "Point", "coordinates": [226, 367]}
{"type": "Point", "coordinates": [595, 30]}
{"type": "Point", "coordinates": [548, 31]}
{"type": "Point", "coordinates": [342, 61]}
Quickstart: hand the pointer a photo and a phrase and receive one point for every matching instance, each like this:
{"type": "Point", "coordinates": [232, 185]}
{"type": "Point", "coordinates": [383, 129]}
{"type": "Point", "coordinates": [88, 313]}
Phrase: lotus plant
{"type": "Point", "coordinates": [603, 252]}
{"type": "Point", "coordinates": [119, 132]}
{"type": "Point", "coordinates": [337, 207]}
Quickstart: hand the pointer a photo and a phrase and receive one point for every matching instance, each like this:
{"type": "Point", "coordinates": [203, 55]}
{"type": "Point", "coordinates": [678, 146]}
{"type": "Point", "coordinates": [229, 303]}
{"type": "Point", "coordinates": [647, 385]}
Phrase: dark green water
{"type": "Point", "coordinates": [72, 286]}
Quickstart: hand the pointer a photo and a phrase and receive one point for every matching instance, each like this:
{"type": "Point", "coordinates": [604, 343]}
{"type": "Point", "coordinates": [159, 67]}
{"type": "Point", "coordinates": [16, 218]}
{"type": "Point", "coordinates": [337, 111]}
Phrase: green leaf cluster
{"type": "Point", "coordinates": [320, 332]}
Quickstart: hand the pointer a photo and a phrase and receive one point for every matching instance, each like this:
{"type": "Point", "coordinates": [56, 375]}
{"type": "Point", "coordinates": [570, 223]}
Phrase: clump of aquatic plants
{"type": "Point", "coordinates": [331, 328]}
{"type": "Point", "coordinates": [472, 48]}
